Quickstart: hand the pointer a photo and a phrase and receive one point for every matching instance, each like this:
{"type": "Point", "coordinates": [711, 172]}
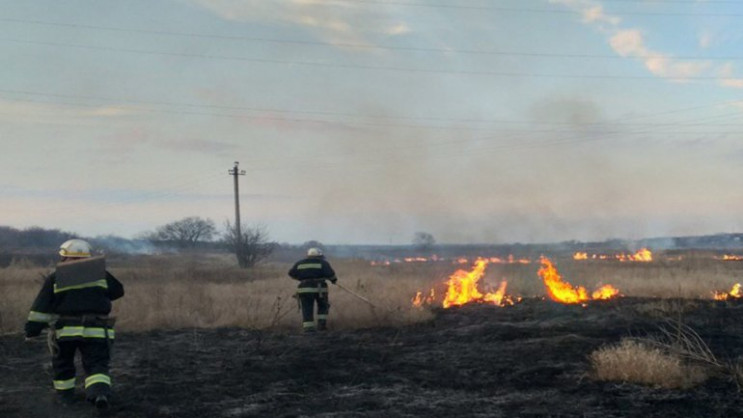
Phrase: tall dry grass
{"type": "Point", "coordinates": [210, 291]}
{"type": "Point", "coordinates": [690, 278]}
{"type": "Point", "coordinates": [638, 362]}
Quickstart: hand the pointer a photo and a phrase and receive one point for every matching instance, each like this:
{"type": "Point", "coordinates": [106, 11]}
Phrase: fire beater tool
{"type": "Point", "coordinates": [356, 295]}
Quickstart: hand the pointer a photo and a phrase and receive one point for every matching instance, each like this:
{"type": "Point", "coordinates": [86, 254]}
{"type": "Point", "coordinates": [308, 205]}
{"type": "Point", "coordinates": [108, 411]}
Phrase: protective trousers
{"type": "Point", "coordinates": [94, 345]}
{"type": "Point", "coordinates": [308, 301]}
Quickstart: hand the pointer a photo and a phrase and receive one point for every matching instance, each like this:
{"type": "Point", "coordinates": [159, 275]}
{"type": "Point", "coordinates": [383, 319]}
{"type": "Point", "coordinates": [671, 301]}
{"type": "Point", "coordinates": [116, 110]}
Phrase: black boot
{"type": "Point", "coordinates": [101, 402]}
{"type": "Point", "coordinates": [66, 397]}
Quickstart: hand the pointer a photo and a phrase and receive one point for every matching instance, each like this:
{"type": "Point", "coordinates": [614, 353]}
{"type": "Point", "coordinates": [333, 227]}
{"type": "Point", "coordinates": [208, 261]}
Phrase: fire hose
{"type": "Point", "coordinates": [356, 295]}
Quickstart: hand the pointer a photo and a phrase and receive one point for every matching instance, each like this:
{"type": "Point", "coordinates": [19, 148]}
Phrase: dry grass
{"type": "Point", "coordinates": [690, 278]}
{"type": "Point", "coordinates": [177, 292]}
{"type": "Point", "coordinates": [209, 291]}
{"type": "Point", "coordinates": [638, 362]}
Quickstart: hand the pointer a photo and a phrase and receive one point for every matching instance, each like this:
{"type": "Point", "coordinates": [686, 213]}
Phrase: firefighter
{"type": "Point", "coordinates": [312, 272]}
{"type": "Point", "coordinates": [78, 318]}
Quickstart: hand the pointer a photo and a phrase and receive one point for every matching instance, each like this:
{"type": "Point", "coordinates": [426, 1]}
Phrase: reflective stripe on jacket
{"type": "Point", "coordinates": [76, 332]}
{"type": "Point", "coordinates": [312, 268]}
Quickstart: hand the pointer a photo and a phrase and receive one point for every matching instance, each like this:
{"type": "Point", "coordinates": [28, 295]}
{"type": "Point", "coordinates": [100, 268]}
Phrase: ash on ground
{"type": "Point", "coordinates": [526, 360]}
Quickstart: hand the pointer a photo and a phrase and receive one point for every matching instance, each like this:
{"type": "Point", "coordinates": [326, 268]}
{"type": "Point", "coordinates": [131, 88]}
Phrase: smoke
{"type": "Point", "coordinates": [113, 244]}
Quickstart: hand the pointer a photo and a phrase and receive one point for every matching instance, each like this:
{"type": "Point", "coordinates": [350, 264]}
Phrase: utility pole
{"type": "Point", "coordinates": [234, 172]}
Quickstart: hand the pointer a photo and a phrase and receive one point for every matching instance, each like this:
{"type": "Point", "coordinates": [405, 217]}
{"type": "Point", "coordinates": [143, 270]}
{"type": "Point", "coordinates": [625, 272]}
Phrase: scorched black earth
{"type": "Point", "coordinates": [527, 360]}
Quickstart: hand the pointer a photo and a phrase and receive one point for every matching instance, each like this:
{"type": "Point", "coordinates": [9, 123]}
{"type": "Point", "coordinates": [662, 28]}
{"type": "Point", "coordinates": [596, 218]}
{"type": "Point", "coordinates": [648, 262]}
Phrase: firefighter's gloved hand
{"type": "Point", "coordinates": [33, 329]}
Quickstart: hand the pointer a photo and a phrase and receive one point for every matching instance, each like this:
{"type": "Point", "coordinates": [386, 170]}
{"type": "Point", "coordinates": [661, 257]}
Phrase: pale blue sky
{"type": "Point", "coordinates": [364, 121]}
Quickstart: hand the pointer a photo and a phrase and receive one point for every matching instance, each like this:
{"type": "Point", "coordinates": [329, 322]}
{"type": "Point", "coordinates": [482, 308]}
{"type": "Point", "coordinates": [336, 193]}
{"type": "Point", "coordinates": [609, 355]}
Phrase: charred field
{"type": "Point", "coordinates": [526, 360]}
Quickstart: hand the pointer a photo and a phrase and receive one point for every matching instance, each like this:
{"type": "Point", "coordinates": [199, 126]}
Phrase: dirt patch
{"type": "Point", "coordinates": [527, 360]}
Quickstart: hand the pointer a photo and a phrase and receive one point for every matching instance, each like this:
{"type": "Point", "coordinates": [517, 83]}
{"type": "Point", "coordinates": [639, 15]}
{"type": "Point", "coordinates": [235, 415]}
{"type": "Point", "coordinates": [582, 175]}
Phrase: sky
{"type": "Point", "coordinates": [366, 121]}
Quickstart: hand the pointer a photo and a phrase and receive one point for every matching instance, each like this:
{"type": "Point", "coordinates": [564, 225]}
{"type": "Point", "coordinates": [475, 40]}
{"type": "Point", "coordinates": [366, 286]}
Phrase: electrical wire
{"type": "Point", "coordinates": [334, 45]}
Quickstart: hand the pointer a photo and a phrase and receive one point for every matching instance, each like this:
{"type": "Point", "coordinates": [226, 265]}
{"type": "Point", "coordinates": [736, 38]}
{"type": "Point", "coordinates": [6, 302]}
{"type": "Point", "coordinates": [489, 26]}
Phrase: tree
{"type": "Point", "coordinates": [187, 232]}
{"type": "Point", "coordinates": [251, 247]}
{"type": "Point", "coordinates": [423, 241]}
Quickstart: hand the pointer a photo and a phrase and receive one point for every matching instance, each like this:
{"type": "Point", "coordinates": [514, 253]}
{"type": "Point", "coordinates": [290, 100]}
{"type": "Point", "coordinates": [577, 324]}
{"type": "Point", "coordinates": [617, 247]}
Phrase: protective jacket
{"type": "Point", "coordinates": [52, 302]}
{"type": "Point", "coordinates": [79, 314]}
{"type": "Point", "coordinates": [312, 273]}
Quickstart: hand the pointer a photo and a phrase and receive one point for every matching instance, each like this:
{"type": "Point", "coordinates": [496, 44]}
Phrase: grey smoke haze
{"type": "Point", "coordinates": [364, 123]}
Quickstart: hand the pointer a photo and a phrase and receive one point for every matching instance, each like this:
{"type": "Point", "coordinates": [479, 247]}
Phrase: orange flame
{"type": "Point", "coordinates": [563, 292]}
{"type": "Point", "coordinates": [735, 293]}
{"type": "Point", "coordinates": [419, 300]}
{"type": "Point", "coordinates": [605, 292]}
{"type": "Point", "coordinates": [558, 290]}
{"type": "Point", "coordinates": [462, 285]}
{"type": "Point", "coordinates": [499, 297]}
{"type": "Point", "coordinates": [643, 255]}
{"type": "Point", "coordinates": [462, 289]}
{"type": "Point", "coordinates": [731, 257]}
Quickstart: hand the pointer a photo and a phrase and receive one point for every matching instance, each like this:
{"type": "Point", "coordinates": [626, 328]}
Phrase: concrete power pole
{"type": "Point", "coordinates": [234, 172]}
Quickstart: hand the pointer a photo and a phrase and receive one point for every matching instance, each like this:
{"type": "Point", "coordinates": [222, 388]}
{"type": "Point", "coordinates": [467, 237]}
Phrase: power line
{"type": "Point", "coordinates": [359, 123]}
{"type": "Point", "coordinates": [565, 140]}
{"type": "Point", "coordinates": [370, 67]}
{"type": "Point", "coordinates": [533, 11]}
{"type": "Point", "coordinates": [343, 44]}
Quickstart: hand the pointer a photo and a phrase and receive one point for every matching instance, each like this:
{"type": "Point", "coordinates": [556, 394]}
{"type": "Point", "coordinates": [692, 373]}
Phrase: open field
{"type": "Point", "coordinates": [201, 338]}
{"type": "Point", "coordinates": [170, 292]}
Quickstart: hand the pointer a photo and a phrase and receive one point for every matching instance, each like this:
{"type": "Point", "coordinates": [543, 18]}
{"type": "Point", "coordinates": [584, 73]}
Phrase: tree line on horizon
{"type": "Point", "coordinates": [251, 246]}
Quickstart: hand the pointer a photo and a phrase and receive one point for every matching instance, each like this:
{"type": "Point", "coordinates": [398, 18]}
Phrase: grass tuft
{"type": "Point", "coordinates": [638, 362]}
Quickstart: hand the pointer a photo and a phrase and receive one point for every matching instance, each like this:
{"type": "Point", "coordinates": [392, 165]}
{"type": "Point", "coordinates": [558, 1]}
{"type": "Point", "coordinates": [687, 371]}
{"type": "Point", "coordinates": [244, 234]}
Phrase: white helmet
{"type": "Point", "coordinates": [314, 252]}
{"type": "Point", "coordinates": [75, 248]}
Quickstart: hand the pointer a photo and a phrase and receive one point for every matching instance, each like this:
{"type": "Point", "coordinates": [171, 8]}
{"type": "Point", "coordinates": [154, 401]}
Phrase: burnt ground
{"type": "Point", "coordinates": [528, 360]}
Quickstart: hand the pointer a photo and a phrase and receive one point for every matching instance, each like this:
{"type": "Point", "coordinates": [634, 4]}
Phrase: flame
{"type": "Point", "coordinates": [462, 289]}
{"type": "Point", "coordinates": [558, 290]}
{"type": "Point", "coordinates": [563, 292]}
{"type": "Point", "coordinates": [731, 257]}
{"type": "Point", "coordinates": [735, 293]}
{"type": "Point", "coordinates": [419, 300]}
{"type": "Point", "coordinates": [644, 255]}
{"type": "Point", "coordinates": [459, 260]}
{"type": "Point", "coordinates": [462, 285]}
{"type": "Point", "coordinates": [499, 297]}
{"type": "Point", "coordinates": [605, 292]}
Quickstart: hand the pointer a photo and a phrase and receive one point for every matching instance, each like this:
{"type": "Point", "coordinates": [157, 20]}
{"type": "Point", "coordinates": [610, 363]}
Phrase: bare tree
{"type": "Point", "coordinates": [252, 247]}
{"type": "Point", "coordinates": [423, 241]}
{"type": "Point", "coordinates": [187, 232]}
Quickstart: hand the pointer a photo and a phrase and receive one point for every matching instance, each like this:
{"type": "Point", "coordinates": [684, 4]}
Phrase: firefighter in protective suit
{"type": "Point", "coordinates": [312, 272]}
{"type": "Point", "coordinates": [78, 316]}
